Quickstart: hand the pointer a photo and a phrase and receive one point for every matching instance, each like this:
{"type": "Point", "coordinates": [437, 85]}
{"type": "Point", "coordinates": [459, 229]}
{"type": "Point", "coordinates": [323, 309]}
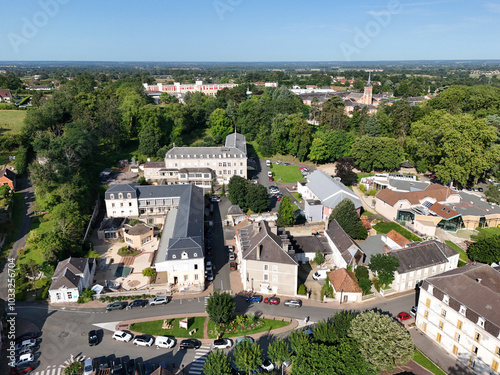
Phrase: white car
{"type": "Point", "coordinates": [143, 340]}
{"type": "Point", "coordinates": [232, 256]}
{"type": "Point", "coordinates": [25, 358]}
{"type": "Point", "coordinates": [122, 336]}
{"type": "Point", "coordinates": [269, 174]}
{"type": "Point", "coordinates": [25, 343]}
{"type": "Point", "coordinates": [268, 162]}
{"type": "Point", "coordinates": [161, 300]}
{"type": "Point", "coordinates": [88, 368]}
{"type": "Point", "coordinates": [267, 365]}
{"type": "Point", "coordinates": [164, 342]}
{"type": "Point", "coordinates": [222, 344]}
{"type": "Point", "coordinates": [320, 274]}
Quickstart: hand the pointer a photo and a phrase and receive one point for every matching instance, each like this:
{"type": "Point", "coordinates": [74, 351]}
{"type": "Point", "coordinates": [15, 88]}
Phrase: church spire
{"type": "Point", "coordinates": [369, 79]}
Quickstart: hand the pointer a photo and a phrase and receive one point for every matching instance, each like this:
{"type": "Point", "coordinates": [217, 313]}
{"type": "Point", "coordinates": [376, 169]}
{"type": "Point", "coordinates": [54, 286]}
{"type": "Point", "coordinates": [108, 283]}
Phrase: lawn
{"type": "Point", "coordinates": [269, 324]}
{"type": "Point", "coordinates": [486, 232]}
{"type": "Point", "coordinates": [361, 175]}
{"type": "Point", "coordinates": [367, 213]}
{"type": "Point", "coordinates": [154, 327]}
{"type": "Point", "coordinates": [387, 227]}
{"type": "Point", "coordinates": [423, 361]}
{"type": "Point", "coordinates": [286, 173]}
{"type": "Point", "coordinates": [463, 254]}
{"type": "Point", "coordinates": [297, 196]}
{"type": "Point", "coordinates": [11, 121]}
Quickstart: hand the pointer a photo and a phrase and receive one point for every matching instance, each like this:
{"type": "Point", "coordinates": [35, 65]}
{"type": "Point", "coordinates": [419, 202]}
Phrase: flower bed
{"type": "Point", "coordinates": [243, 325]}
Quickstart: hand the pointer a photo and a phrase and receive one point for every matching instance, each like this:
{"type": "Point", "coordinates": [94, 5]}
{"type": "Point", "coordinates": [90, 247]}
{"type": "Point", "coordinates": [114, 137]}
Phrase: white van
{"type": "Point", "coordinates": [164, 342]}
{"type": "Point", "coordinates": [320, 274]}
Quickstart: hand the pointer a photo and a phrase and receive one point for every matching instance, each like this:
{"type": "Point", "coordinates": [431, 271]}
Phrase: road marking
{"type": "Point", "coordinates": [109, 326]}
{"type": "Point", "coordinates": [200, 359]}
{"type": "Point", "coordinates": [206, 300]}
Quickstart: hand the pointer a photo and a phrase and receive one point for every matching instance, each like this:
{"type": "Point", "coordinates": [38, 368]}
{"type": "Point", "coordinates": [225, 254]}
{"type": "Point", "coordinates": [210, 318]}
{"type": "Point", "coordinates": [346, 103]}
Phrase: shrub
{"type": "Point", "coordinates": [362, 187]}
{"type": "Point", "coordinates": [302, 290]}
{"type": "Point", "coordinates": [372, 192]}
{"type": "Point", "coordinates": [319, 258]}
{"type": "Point", "coordinates": [76, 368]}
{"type": "Point", "coordinates": [377, 284]}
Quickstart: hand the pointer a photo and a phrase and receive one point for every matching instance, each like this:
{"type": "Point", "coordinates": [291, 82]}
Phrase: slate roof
{"type": "Point", "coordinates": [66, 280]}
{"type": "Point", "coordinates": [8, 173]}
{"type": "Point", "coordinates": [347, 247]}
{"type": "Point", "coordinates": [311, 244]}
{"type": "Point", "coordinates": [344, 280]}
{"type": "Point", "coordinates": [236, 140]}
{"type": "Point", "coordinates": [482, 299]}
{"type": "Point", "coordinates": [154, 164]}
{"type": "Point", "coordinates": [259, 235]}
{"type": "Point", "coordinates": [436, 191]}
{"type": "Point", "coordinates": [235, 210]}
{"type": "Point", "coordinates": [471, 204]}
{"type": "Point", "coordinates": [329, 190]}
{"type": "Point", "coordinates": [67, 272]}
{"type": "Point", "coordinates": [139, 229]}
{"type": "Point", "coordinates": [422, 255]}
{"type": "Point", "coordinates": [407, 185]}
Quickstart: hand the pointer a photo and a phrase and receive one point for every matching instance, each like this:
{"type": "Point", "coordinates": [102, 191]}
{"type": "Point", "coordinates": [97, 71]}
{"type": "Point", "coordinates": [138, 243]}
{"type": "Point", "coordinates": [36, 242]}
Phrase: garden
{"type": "Point", "coordinates": [286, 173]}
{"type": "Point", "coordinates": [243, 325]}
{"type": "Point", "coordinates": [195, 325]}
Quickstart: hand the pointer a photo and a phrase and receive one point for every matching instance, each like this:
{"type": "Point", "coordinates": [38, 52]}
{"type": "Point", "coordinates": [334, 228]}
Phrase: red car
{"type": "Point", "coordinates": [403, 316]}
{"type": "Point", "coordinates": [272, 300]}
{"type": "Point", "coordinates": [271, 179]}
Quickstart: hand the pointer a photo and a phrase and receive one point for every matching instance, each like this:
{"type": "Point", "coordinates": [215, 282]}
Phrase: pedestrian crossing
{"type": "Point", "coordinates": [206, 300]}
{"type": "Point", "coordinates": [50, 370]}
{"type": "Point", "coordinates": [199, 360]}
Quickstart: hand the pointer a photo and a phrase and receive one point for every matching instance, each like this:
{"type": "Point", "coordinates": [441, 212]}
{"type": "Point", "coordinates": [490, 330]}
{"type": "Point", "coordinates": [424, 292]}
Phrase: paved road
{"type": "Point", "coordinates": [65, 330]}
{"type": "Point", "coordinates": [29, 199]}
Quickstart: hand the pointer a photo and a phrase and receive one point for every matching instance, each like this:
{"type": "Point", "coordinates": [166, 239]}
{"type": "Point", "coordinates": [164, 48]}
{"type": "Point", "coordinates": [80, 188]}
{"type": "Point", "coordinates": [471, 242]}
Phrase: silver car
{"type": "Point", "coordinates": [293, 303]}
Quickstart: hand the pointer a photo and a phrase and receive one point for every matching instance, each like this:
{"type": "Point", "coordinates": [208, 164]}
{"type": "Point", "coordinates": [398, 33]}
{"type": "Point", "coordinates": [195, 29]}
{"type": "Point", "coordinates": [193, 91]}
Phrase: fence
{"type": "Point", "coordinates": [92, 218]}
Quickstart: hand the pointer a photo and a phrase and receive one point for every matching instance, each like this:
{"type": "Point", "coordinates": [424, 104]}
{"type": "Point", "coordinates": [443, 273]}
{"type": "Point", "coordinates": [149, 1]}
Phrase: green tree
{"type": "Point", "coordinates": [220, 307]}
{"type": "Point", "coordinates": [365, 285]}
{"type": "Point", "coordinates": [332, 114]}
{"type": "Point", "coordinates": [149, 140]}
{"type": "Point", "coordinates": [485, 250]}
{"type": "Point", "coordinates": [220, 124]}
{"type": "Point", "coordinates": [385, 266]}
{"type": "Point", "coordinates": [279, 351]}
{"type": "Point", "coordinates": [377, 153]}
{"type": "Point", "coordinates": [237, 191]}
{"type": "Point", "coordinates": [456, 147]}
{"type": "Point", "coordinates": [285, 213]}
{"type": "Point", "coordinates": [217, 363]}
{"type": "Point", "coordinates": [167, 98]}
{"type": "Point", "coordinates": [76, 368]}
{"type": "Point", "coordinates": [21, 161]}
{"type": "Point", "coordinates": [383, 342]}
{"type": "Point", "coordinates": [299, 341]}
{"type": "Point", "coordinates": [346, 215]}
{"type": "Point", "coordinates": [247, 356]}
{"type": "Point", "coordinates": [319, 258]}
{"type": "Point", "coordinates": [492, 193]}
{"type": "Point", "coordinates": [318, 152]}
{"type": "Point", "coordinates": [344, 170]}
{"type": "Point", "coordinates": [148, 272]}
{"type": "Point", "coordinates": [361, 272]}
{"type": "Point", "coordinates": [257, 198]}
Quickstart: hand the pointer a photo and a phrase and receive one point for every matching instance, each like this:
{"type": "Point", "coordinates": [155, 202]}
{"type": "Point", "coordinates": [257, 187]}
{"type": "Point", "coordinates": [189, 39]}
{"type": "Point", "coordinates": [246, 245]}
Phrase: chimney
{"type": "Point", "coordinates": [479, 280]}
{"type": "Point", "coordinates": [285, 243]}
{"type": "Point", "coordinates": [258, 251]}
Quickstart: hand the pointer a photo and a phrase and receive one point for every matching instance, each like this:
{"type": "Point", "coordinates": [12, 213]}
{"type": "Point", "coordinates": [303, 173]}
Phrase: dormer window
{"type": "Point", "coordinates": [174, 256]}
{"type": "Point", "coordinates": [195, 255]}
{"type": "Point", "coordinates": [120, 196]}
{"type": "Point", "coordinates": [129, 195]}
{"type": "Point", "coordinates": [480, 322]}
{"type": "Point", "coordinates": [446, 299]}
{"type": "Point", "coordinates": [185, 255]}
{"type": "Point", "coordinates": [111, 196]}
{"type": "Point", "coordinates": [463, 310]}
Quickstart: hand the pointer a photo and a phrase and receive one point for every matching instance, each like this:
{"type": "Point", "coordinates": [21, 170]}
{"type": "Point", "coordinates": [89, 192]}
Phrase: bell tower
{"type": "Point", "coordinates": [367, 95]}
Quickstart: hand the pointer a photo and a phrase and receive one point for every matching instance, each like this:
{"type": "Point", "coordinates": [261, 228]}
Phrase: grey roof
{"type": "Point", "coordinates": [121, 188]}
{"type": "Point", "coordinates": [66, 280]}
{"type": "Point", "coordinates": [146, 191]}
{"type": "Point", "coordinates": [259, 235]}
{"type": "Point", "coordinates": [347, 247]}
{"type": "Point", "coordinates": [471, 204]}
{"type": "Point", "coordinates": [235, 210]}
{"type": "Point", "coordinates": [237, 140]}
{"type": "Point", "coordinates": [154, 164]}
{"type": "Point", "coordinates": [373, 245]}
{"type": "Point", "coordinates": [405, 185]}
{"type": "Point", "coordinates": [311, 244]}
{"type": "Point", "coordinates": [183, 229]}
{"type": "Point", "coordinates": [201, 170]}
{"type": "Point", "coordinates": [138, 229]}
{"type": "Point", "coordinates": [203, 152]}
{"type": "Point", "coordinates": [329, 190]}
{"type": "Point", "coordinates": [422, 255]}
{"type": "Point", "coordinates": [67, 271]}
{"type": "Point", "coordinates": [482, 299]}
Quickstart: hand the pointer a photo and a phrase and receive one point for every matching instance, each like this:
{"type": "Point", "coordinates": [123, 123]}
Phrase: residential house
{"type": "Point", "coordinates": [459, 311]}
{"type": "Point", "coordinates": [345, 252]}
{"type": "Point", "coordinates": [5, 96]}
{"type": "Point", "coordinates": [201, 166]}
{"type": "Point", "coordinates": [322, 193]}
{"type": "Point", "coordinates": [267, 261]}
{"type": "Point", "coordinates": [8, 177]}
{"type": "Point", "coordinates": [70, 278]}
{"type": "Point", "coordinates": [345, 286]}
{"type": "Point", "coordinates": [421, 260]}
{"type": "Point", "coordinates": [306, 247]}
{"type": "Point", "coordinates": [138, 235]}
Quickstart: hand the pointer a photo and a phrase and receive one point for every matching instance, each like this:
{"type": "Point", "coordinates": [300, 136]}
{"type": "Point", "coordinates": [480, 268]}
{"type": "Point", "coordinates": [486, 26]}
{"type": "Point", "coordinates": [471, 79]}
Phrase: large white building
{"type": "Point", "coordinates": [178, 88]}
{"type": "Point", "coordinates": [460, 311]}
{"type": "Point", "coordinates": [201, 166]}
{"type": "Point", "coordinates": [180, 209]}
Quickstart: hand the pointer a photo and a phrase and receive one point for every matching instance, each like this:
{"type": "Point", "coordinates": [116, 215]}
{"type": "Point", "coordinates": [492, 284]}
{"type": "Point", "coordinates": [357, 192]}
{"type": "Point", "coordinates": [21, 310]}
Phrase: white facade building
{"type": "Point", "coordinates": [70, 278]}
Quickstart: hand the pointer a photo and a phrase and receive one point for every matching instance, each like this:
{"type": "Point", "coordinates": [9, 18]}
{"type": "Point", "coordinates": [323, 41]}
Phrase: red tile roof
{"type": "Point", "coordinates": [398, 238]}
{"type": "Point", "coordinates": [345, 280]}
{"type": "Point", "coordinates": [436, 191]}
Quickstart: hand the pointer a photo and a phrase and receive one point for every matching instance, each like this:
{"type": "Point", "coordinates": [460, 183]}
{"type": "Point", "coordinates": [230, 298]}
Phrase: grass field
{"type": "Point", "coordinates": [423, 361]}
{"type": "Point", "coordinates": [387, 227]}
{"type": "Point", "coordinates": [286, 173]}
{"type": "Point", "coordinates": [361, 175]}
{"type": "Point", "coordinates": [11, 121]}
{"type": "Point", "coordinates": [269, 324]}
{"type": "Point", "coordinates": [297, 196]}
{"type": "Point", "coordinates": [487, 232]}
{"type": "Point", "coordinates": [154, 327]}
{"type": "Point", "coordinates": [463, 254]}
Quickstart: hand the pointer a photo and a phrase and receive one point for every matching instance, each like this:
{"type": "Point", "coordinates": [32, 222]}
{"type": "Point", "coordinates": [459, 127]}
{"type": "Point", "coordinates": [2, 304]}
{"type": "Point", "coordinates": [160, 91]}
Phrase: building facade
{"type": "Point", "coordinates": [459, 311]}
{"type": "Point", "coordinates": [70, 278]}
{"type": "Point", "coordinates": [199, 86]}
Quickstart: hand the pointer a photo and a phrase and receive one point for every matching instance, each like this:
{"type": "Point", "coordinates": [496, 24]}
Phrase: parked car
{"type": "Point", "coordinates": [271, 179]}
{"type": "Point", "coordinates": [210, 276]}
{"type": "Point", "coordinates": [28, 336]}
{"type": "Point", "coordinates": [165, 342]}
{"type": "Point", "coordinates": [88, 368]}
{"type": "Point", "coordinates": [320, 274]}
{"type": "Point", "coordinates": [403, 316]}
{"type": "Point", "coordinates": [279, 196]}
{"type": "Point", "coordinates": [93, 338]}
{"type": "Point", "coordinates": [117, 367]}
{"type": "Point", "coordinates": [215, 198]}
{"type": "Point", "coordinates": [208, 266]}
{"type": "Point", "coordinates": [24, 344]}
{"type": "Point", "coordinates": [116, 306]}
{"type": "Point", "coordinates": [148, 368]}
{"type": "Point", "coordinates": [255, 298]}
{"type": "Point", "coordinates": [413, 311]}
{"type": "Point", "coordinates": [23, 360]}
{"type": "Point", "coordinates": [269, 174]}
{"type": "Point", "coordinates": [222, 344]}
{"type": "Point", "coordinates": [274, 189]}
{"type": "Point", "coordinates": [130, 367]}
{"type": "Point", "coordinates": [293, 303]}
{"type": "Point", "coordinates": [268, 163]}
{"type": "Point", "coordinates": [272, 300]}
{"type": "Point", "coordinates": [22, 369]}
{"type": "Point", "coordinates": [233, 266]}
{"type": "Point", "coordinates": [160, 300]}
{"type": "Point", "coordinates": [122, 336]}
{"type": "Point", "coordinates": [245, 338]}
{"type": "Point", "coordinates": [143, 340]}
{"type": "Point", "coordinates": [267, 364]}
{"type": "Point", "coordinates": [138, 303]}
{"type": "Point", "coordinates": [100, 363]}
{"type": "Point", "coordinates": [27, 349]}
{"type": "Point", "coordinates": [232, 256]}
{"type": "Point", "coordinates": [190, 344]}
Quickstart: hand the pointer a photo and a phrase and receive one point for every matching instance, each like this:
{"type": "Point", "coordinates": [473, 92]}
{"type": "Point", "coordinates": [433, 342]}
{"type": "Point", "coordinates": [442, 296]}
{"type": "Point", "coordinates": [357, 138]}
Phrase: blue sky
{"type": "Point", "coordinates": [249, 30]}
